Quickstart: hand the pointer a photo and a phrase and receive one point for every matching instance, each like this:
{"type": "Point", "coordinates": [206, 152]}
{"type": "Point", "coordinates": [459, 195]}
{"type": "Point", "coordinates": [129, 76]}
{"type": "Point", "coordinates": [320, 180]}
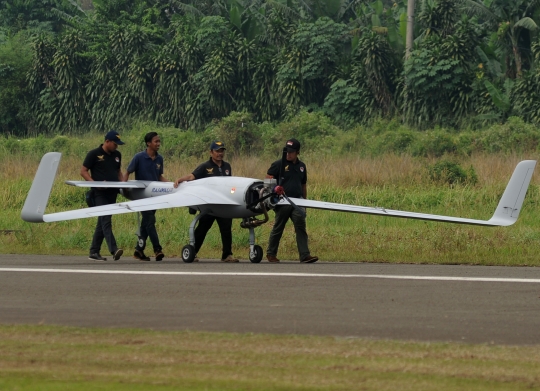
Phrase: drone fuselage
{"type": "Point", "coordinates": [241, 191]}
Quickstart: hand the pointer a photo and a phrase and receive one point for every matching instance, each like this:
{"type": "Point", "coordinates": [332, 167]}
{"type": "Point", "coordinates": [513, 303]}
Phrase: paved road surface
{"type": "Point", "coordinates": [408, 302]}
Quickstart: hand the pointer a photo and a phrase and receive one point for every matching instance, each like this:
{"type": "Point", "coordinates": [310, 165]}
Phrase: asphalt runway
{"type": "Point", "coordinates": [473, 304]}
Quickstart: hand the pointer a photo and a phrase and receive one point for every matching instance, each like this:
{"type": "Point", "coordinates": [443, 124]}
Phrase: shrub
{"type": "Point", "coordinates": [314, 130]}
{"type": "Point", "coordinates": [239, 133]}
{"type": "Point", "coordinates": [514, 135]}
{"type": "Point", "coordinates": [435, 143]}
{"type": "Point", "coordinates": [445, 171]}
{"type": "Point", "coordinates": [397, 142]}
{"type": "Point", "coordinates": [180, 143]}
{"type": "Point", "coordinates": [60, 144]}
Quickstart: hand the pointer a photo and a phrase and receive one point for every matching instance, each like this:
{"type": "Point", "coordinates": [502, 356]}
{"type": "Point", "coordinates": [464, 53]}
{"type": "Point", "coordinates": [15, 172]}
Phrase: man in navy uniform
{"type": "Point", "coordinates": [148, 166]}
{"type": "Point", "coordinates": [104, 164]}
{"type": "Point", "coordinates": [215, 166]}
{"type": "Point", "coordinates": [294, 182]}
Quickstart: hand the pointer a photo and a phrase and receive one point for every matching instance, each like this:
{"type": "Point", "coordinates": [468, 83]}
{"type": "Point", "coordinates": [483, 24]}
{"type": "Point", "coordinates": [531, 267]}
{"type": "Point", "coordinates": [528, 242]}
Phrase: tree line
{"type": "Point", "coordinates": [67, 65]}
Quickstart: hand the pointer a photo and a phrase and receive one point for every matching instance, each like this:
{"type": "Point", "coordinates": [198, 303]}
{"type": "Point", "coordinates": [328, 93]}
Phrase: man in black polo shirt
{"type": "Point", "coordinates": [293, 180]}
{"type": "Point", "coordinates": [148, 166]}
{"type": "Point", "coordinates": [104, 164]}
{"type": "Point", "coordinates": [215, 166]}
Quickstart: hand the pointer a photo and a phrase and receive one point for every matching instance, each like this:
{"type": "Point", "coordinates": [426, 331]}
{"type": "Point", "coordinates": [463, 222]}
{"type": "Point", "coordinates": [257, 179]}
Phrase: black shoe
{"type": "Point", "coordinates": [117, 254]}
{"type": "Point", "coordinates": [310, 259]}
{"type": "Point", "coordinates": [159, 255]}
{"type": "Point", "coordinates": [139, 254]}
{"type": "Point", "coordinates": [96, 257]}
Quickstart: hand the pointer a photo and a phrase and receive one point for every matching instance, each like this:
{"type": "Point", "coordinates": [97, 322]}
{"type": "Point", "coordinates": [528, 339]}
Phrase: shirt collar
{"type": "Point", "coordinates": [214, 164]}
{"type": "Point", "coordinates": [146, 155]}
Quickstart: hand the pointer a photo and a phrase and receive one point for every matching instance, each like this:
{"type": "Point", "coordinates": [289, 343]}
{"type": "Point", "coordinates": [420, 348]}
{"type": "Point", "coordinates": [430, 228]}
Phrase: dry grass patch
{"type": "Point", "coordinates": [393, 182]}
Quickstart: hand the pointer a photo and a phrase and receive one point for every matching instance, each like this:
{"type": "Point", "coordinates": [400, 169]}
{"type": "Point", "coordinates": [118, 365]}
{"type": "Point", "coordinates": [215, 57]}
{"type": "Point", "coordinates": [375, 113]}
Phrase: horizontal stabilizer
{"type": "Point", "coordinates": [112, 185]}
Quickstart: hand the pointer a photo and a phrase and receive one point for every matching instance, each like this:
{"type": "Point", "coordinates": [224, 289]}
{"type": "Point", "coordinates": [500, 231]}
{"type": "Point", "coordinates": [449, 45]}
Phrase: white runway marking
{"type": "Point", "coordinates": [253, 274]}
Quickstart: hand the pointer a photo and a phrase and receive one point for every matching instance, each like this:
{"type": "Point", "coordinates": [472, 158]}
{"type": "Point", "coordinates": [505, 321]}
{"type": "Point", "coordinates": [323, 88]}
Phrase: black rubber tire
{"type": "Point", "coordinates": [188, 253]}
{"type": "Point", "coordinates": [257, 255]}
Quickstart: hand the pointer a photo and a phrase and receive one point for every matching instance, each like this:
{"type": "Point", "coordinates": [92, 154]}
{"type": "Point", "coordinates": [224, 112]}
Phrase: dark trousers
{"type": "Point", "coordinates": [104, 223]}
{"type": "Point", "coordinates": [283, 214]}
{"type": "Point", "coordinates": [225, 228]}
{"type": "Point", "coordinates": [148, 230]}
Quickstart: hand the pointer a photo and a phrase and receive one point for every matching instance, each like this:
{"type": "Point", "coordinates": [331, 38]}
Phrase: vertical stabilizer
{"type": "Point", "coordinates": [507, 211]}
{"type": "Point", "coordinates": [38, 196]}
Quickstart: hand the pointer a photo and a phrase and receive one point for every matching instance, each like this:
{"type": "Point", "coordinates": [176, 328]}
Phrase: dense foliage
{"type": "Point", "coordinates": [68, 65]}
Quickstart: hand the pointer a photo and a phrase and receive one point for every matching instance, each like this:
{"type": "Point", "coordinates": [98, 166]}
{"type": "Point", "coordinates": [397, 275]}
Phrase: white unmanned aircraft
{"type": "Point", "coordinates": [236, 197]}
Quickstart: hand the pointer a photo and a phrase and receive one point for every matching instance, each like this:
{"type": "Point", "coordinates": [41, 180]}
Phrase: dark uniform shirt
{"type": "Point", "coordinates": [211, 169]}
{"type": "Point", "coordinates": [146, 168]}
{"type": "Point", "coordinates": [294, 176]}
{"type": "Point", "coordinates": [103, 166]}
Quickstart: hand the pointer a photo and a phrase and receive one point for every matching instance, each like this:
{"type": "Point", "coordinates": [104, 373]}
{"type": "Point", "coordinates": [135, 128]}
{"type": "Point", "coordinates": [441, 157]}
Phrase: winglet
{"type": "Point", "coordinates": [507, 211]}
{"type": "Point", "coordinates": [38, 196]}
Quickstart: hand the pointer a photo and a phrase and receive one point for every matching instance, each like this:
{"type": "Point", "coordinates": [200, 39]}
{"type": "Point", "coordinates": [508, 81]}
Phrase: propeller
{"type": "Point", "coordinates": [278, 190]}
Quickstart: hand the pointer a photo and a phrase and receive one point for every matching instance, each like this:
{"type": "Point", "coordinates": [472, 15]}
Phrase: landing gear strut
{"type": "Point", "coordinates": [188, 251]}
{"type": "Point", "coordinates": [255, 251]}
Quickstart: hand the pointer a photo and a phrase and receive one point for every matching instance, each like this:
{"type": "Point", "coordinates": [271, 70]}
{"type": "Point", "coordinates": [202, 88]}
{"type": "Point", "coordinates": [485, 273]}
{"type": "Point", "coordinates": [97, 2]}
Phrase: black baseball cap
{"type": "Point", "coordinates": [114, 137]}
{"type": "Point", "coordinates": [217, 145]}
{"type": "Point", "coordinates": [292, 145]}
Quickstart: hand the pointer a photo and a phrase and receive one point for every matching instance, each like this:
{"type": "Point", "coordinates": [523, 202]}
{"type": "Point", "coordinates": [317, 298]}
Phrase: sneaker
{"type": "Point", "coordinates": [139, 254]}
{"type": "Point", "coordinates": [310, 259]}
{"type": "Point", "coordinates": [117, 254]}
{"type": "Point", "coordinates": [97, 257]}
{"type": "Point", "coordinates": [272, 259]}
{"type": "Point", "coordinates": [196, 259]}
{"type": "Point", "coordinates": [159, 255]}
{"type": "Point", "coordinates": [230, 259]}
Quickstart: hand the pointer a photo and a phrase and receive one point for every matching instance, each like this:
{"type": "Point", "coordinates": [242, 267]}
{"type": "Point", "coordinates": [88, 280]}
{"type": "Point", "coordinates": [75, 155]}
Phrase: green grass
{"type": "Point", "coordinates": [394, 183]}
{"type": "Point", "coordinates": [65, 358]}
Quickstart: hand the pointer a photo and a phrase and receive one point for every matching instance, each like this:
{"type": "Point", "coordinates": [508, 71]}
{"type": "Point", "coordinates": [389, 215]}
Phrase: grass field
{"type": "Point", "coordinates": [54, 358]}
{"type": "Point", "coordinates": [394, 182]}
{"type": "Point", "coordinates": [65, 358]}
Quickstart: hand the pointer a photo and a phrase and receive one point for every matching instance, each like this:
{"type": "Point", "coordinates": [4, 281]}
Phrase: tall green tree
{"type": "Point", "coordinates": [514, 23]}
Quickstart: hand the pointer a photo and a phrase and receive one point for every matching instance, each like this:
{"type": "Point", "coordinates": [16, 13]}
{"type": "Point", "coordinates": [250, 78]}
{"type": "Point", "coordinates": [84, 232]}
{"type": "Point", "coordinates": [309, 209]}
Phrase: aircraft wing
{"type": "Point", "coordinates": [382, 211]}
{"type": "Point", "coordinates": [174, 200]}
{"type": "Point", "coordinates": [505, 214]}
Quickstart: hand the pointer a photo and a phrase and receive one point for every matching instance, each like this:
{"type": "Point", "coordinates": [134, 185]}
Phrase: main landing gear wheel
{"type": "Point", "coordinates": [188, 253]}
{"type": "Point", "coordinates": [256, 255]}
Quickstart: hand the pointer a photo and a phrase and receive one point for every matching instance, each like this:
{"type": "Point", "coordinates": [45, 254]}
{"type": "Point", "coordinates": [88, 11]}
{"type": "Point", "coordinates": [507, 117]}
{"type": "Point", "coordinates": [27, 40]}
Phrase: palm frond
{"type": "Point", "coordinates": [475, 8]}
{"type": "Point", "coordinates": [188, 9]}
{"type": "Point", "coordinates": [526, 23]}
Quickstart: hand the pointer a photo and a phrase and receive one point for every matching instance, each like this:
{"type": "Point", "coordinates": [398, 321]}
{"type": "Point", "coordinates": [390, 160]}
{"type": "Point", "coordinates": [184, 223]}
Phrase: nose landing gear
{"type": "Point", "coordinates": [255, 251]}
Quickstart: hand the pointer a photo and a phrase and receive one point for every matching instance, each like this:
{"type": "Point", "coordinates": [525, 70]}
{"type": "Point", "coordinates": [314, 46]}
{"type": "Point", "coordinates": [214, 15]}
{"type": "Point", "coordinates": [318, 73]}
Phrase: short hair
{"type": "Point", "coordinates": [149, 136]}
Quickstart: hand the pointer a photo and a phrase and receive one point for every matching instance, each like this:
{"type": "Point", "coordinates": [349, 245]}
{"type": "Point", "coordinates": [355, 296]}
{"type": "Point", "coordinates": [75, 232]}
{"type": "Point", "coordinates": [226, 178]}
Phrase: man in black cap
{"type": "Point", "coordinates": [293, 180]}
{"type": "Point", "coordinates": [215, 166]}
{"type": "Point", "coordinates": [104, 164]}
